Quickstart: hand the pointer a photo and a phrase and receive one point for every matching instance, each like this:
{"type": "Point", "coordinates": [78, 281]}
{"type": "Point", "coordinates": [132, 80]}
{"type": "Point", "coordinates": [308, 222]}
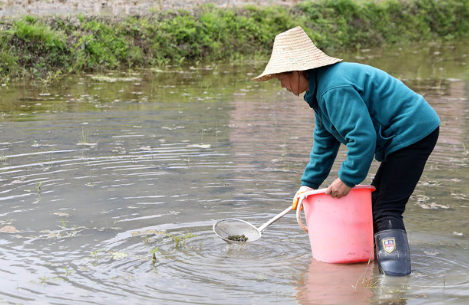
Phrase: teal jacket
{"type": "Point", "coordinates": [366, 109]}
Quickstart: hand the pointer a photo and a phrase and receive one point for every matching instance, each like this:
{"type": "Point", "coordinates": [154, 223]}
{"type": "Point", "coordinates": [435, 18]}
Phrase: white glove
{"type": "Point", "coordinates": [302, 189]}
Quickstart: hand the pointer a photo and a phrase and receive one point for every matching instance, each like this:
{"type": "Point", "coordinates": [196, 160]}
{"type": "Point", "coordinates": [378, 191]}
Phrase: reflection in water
{"type": "Point", "coordinates": [337, 284]}
{"type": "Point", "coordinates": [110, 185]}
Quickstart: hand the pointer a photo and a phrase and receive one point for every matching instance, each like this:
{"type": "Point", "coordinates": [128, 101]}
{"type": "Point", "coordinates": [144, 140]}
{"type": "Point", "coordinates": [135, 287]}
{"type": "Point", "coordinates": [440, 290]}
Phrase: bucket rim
{"type": "Point", "coordinates": [323, 190]}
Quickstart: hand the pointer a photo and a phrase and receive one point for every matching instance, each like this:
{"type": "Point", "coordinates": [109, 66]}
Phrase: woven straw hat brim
{"type": "Point", "coordinates": [293, 50]}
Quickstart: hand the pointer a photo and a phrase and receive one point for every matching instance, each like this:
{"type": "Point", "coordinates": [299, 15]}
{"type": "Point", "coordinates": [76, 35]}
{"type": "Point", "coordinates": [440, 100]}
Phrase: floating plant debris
{"type": "Point", "coordinates": [241, 238]}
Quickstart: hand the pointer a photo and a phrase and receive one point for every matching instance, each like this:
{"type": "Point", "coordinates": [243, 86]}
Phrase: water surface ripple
{"type": "Point", "coordinates": [109, 190]}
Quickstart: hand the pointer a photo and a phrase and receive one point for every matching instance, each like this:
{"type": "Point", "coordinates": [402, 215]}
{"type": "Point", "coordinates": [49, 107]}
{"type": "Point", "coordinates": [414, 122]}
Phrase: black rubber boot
{"type": "Point", "coordinates": [392, 250]}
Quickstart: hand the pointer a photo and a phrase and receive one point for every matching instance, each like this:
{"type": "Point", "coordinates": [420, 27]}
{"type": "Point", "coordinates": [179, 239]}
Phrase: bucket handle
{"type": "Point", "coordinates": [300, 206]}
{"type": "Point", "coordinates": [298, 212]}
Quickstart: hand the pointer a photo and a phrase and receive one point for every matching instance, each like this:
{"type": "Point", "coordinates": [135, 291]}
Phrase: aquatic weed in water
{"type": "Point", "coordinates": [153, 254]}
{"type": "Point", "coordinates": [180, 240]}
{"type": "Point", "coordinates": [241, 238]}
{"type": "Point", "coordinates": [4, 160]}
{"type": "Point", "coordinates": [366, 282]}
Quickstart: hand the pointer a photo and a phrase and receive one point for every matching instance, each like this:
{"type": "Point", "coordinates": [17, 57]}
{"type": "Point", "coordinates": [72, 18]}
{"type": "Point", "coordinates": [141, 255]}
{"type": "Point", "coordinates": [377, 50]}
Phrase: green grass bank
{"type": "Point", "coordinates": [53, 45]}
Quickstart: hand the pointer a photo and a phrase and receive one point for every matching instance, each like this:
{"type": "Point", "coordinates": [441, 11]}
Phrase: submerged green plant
{"type": "Point", "coordinates": [44, 279]}
{"type": "Point", "coordinates": [38, 190]}
{"type": "Point", "coordinates": [4, 160]}
{"type": "Point", "coordinates": [153, 254]}
{"type": "Point", "coordinates": [64, 225]}
{"type": "Point", "coordinates": [95, 255]}
{"type": "Point", "coordinates": [180, 240]}
{"type": "Point", "coordinates": [90, 183]}
{"type": "Point", "coordinates": [369, 283]}
{"type": "Point", "coordinates": [365, 282]}
{"type": "Point", "coordinates": [50, 77]}
{"type": "Point", "coordinates": [84, 136]}
{"type": "Point", "coordinates": [68, 272]}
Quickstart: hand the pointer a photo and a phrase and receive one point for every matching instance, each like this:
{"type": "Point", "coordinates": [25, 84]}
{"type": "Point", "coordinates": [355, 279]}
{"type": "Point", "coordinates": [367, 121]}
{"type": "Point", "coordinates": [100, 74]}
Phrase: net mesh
{"type": "Point", "coordinates": [233, 227]}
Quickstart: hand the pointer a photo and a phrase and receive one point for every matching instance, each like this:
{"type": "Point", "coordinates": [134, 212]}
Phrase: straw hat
{"type": "Point", "coordinates": [293, 50]}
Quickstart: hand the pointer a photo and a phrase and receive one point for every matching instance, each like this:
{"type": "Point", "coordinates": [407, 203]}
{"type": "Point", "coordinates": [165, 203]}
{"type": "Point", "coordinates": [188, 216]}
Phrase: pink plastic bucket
{"type": "Point", "coordinates": [340, 230]}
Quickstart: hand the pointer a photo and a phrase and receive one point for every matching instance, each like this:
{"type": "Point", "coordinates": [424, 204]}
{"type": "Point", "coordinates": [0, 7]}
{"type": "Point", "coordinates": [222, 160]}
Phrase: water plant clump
{"type": "Point", "coordinates": [47, 47]}
{"type": "Point", "coordinates": [241, 238]}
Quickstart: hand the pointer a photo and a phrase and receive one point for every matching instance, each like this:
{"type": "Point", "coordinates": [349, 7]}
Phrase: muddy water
{"type": "Point", "coordinates": [110, 185]}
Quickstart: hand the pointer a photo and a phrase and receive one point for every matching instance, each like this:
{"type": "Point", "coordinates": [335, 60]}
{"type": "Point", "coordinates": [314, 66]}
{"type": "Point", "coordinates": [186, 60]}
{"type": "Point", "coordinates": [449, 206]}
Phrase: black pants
{"type": "Point", "coordinates": [396, 180]}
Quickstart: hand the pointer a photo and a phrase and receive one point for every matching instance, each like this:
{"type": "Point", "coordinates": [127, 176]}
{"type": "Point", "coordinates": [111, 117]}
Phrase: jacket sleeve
{"type": "Point", "coordinates": [323, 154]}
{"type": "Point", "coordinates": [349, 114]}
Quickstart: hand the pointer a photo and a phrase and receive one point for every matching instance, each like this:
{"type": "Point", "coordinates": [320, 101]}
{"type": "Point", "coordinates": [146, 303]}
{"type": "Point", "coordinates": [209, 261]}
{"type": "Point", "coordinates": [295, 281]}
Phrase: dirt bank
{"type": "Point", "coordinates": [117, 7]}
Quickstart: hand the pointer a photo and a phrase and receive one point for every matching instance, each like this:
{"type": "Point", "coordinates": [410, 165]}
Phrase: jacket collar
{"type": "Point", "coordinates": [310, 95]}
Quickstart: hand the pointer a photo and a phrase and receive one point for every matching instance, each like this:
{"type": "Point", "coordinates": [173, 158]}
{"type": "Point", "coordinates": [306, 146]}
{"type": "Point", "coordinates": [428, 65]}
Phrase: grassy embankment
{"type": "Point", "coordinates": [45, 47]}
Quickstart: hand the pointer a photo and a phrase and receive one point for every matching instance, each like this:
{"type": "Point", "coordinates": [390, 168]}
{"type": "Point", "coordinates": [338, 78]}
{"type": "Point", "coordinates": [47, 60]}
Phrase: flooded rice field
{"type": "Point", "coordinates": [110, 184]}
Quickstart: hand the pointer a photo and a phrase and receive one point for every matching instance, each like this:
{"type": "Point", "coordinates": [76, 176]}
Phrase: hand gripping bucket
{"type": "Point", "coordinates": [340, 230]}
